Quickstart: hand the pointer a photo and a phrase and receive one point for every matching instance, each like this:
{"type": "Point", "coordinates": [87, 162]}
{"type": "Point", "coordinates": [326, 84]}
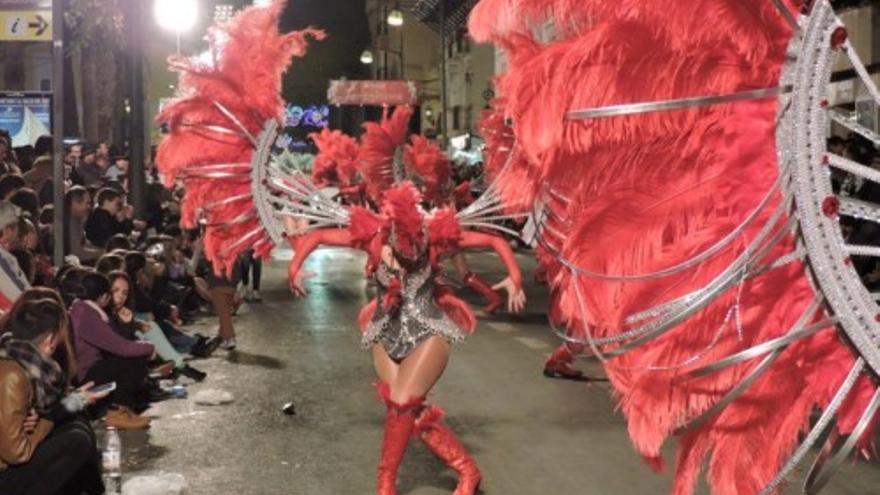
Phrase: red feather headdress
{"type": "Point", "coordinates": [379, 143]}
{"type": "Point", "coordinates": [336, 161]}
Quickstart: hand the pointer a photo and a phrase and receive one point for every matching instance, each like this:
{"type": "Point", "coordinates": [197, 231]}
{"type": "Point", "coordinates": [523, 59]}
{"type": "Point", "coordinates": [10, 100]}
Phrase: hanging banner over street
{"type": "Point", "coordinates": [25, 4]}
{"type": "Point", "coordinates": [25, 25]}
{"type": "Point", "coordinates": [25, 116]}
{"type": "Point", "coordinates": [374, 93]}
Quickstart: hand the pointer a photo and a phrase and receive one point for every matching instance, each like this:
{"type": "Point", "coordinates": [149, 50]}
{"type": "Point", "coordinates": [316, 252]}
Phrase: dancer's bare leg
{"type": "Point", "coordinates": [459, 262]}
{"type": "Point", "coordinates": [420, 370]}
{"type": "Point", "coordinates": [407, 385]}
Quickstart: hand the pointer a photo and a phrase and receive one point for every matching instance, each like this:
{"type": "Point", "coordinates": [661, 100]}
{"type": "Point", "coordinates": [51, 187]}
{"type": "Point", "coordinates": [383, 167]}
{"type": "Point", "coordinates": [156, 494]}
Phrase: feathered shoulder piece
{"type": "Point", "coordinates": [336, 161]}
{"type": "Point", "coordinates": [427, 161]}
{"type": "Point", "coordinates": [364, 226]}
{"type": "Point", "coordinates": [225, 96]}
{"type": "Point", "coordinates": [444, 231]}
{"type": "Point", "coordinates": [379, 143]}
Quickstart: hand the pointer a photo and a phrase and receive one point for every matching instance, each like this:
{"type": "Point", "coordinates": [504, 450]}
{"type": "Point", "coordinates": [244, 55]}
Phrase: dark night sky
{"type": "Point", "coordinates": [337, 56]}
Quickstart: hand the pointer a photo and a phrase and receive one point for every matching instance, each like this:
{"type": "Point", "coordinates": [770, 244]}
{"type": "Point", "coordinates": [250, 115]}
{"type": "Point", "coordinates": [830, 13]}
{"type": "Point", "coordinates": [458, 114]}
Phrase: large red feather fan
{"type": "Point", "coordinates": [641, 193]}
{"type": "Point", "coordinates": [225, 96]}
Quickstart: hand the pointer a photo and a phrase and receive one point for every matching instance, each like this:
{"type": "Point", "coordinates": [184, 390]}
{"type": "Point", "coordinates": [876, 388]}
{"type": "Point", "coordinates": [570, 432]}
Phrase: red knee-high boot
{"type": "Point", "coordinates": [399, 424]}
{"type": "Point", "coordinates": [481, 287]}
{"type": "Point", "coordinates": [559, 365]}
{"type": "Point", "coordinates": [445, 445]}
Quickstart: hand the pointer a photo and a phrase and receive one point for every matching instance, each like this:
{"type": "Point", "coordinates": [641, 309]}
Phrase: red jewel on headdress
{"type": "Point", "coordinates": [823, 103]}
{"type": "Point", "coordinates": [877, 317]}
{"type": "Point", "coordinates": [831, 206]}
{"type": "Point", "coordinates": [825, 160]}
{"type": "Point", "coordinates": [838, 37]}
{"type": "Point", "coordinates": [847, 261]}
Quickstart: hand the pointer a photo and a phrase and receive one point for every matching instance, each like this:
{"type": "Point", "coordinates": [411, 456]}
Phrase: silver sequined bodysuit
{"type": "Point", "coordinates": [417, 317]}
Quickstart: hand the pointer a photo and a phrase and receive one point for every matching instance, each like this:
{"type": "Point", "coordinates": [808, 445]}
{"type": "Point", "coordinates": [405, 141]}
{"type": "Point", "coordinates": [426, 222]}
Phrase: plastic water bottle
{"type": "Point", "coordinates": [112, 460]}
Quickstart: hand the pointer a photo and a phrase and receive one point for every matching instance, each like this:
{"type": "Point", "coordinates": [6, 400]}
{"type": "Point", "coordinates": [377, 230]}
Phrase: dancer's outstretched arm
{"type": "Point", "coordinates": [303, 246]}
{"type": "Point", "coordinates": [516, 298]}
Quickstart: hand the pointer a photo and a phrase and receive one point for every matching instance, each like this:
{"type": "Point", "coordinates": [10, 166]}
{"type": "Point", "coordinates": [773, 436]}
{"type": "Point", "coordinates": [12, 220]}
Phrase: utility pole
{"type": "Point", "coordinates": [443, 122]}
{"type": "Point", "coordinates": [58, 129]}
{"type": "Point", "coordinates": [137, 177]}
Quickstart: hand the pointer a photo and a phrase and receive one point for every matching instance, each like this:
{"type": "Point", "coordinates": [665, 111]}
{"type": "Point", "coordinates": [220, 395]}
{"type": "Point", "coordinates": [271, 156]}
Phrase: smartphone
{"type": "Point", "coordinates": [107, 387]}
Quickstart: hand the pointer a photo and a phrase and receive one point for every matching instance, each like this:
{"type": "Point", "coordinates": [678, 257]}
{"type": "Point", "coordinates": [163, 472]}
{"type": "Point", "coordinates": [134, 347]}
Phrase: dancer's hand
{"type": "Point", "coordinates": [516, 297]}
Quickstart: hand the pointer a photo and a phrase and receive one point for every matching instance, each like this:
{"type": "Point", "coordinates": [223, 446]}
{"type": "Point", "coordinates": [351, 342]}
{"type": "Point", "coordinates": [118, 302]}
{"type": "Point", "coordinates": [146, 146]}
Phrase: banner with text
{"type": "Point", "coordinates": [375, 93]}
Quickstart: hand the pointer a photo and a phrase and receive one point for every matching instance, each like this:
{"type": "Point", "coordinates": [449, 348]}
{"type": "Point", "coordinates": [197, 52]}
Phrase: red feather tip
{"type": "Point", "coordinates": [378, 145]}
{"type": "Point", "coordinates": [427, 161]}
{"type": "Point", "coordinates": [336, 161]}
{"type": "Point", "coordinates": [401, 208]}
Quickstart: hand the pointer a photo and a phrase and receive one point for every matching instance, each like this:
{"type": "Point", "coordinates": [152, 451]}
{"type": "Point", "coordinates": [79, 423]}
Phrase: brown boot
{"type": "Point", "coordinates": [445, 445]}
{"type": "Point", "coordinates": [123, 418]}
{"type": "Point", "coordinates": [493, 298]}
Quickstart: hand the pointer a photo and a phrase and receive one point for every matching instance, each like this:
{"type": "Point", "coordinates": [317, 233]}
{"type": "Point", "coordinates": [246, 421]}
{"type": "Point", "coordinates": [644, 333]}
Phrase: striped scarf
{"type": "Point", "coordinates": [45, 374]}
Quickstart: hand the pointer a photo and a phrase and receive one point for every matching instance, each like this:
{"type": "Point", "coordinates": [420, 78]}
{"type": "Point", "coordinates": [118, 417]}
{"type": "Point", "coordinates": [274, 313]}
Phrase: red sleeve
{"type": "Point", "coordinates": [470, 239]}
{"type": "Point", "coordinates": [304, 245]}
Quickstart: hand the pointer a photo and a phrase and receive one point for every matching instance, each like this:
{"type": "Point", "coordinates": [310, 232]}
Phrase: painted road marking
{"type": "Point", "coordinates": [533, 343]}
{"type": "Point", "coordinates": [501, 327]}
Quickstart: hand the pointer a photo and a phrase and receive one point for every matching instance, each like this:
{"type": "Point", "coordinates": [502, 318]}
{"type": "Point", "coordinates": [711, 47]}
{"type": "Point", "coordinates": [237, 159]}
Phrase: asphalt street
{"type": "Point", "coordinates": [529, 434]}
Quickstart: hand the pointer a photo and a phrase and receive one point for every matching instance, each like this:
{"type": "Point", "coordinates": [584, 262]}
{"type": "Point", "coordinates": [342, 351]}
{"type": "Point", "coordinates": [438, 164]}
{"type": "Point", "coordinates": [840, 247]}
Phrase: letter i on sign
{"type": "Point", "coordinates": [15, 25]}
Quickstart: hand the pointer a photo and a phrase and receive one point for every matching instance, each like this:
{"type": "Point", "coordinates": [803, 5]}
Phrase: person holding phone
{"type": "Point", "coordinates": [105, 356]}
{"type": "Point", "coordinates": [39, 454]}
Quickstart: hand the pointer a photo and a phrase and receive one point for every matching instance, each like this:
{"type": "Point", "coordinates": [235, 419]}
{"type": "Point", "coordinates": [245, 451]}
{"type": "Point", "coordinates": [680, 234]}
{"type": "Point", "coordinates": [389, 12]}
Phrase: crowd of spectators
{"type": "Point", "coordinates": [114, 312]}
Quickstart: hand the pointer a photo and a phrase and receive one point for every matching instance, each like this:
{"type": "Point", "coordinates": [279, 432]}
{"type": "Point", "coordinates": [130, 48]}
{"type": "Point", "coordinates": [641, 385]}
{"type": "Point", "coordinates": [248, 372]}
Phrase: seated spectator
{"type": "Point", "coordinates": [110, 262]}
{"type": "Point", "coordinates": [8, 161]}
{"type": "Point", "coordinates": [26, 263]}
{"type": "Point", "coordinates": [107, 219]}
{"type": "Point", "coordinates": [125, 322]}
{"type": "Point", "coordinates": [119, 170]}
{"type": "Point", "coordinates": [46, 226]}
{"type": "Point", "coordinates": [40, 176]}
{"type": "Point", "coordinates": [37, 456]}
{"type": "Point", "coordinates": [77, 209]}
{"type": "Point", "coordinates": [103, 356]}
{"type": "Point", "coordinates": [27, 200]}
{"type": "Point", "coordinates": [119, 241]}
{"type": "Point", "coordinates": [144, 312]}
{"type": "Point", "coordinates": [87, 172]}
{"type": "Point", "coordinates": [12, 280]}
{"type": "Point", "coordinates": [10, 183]}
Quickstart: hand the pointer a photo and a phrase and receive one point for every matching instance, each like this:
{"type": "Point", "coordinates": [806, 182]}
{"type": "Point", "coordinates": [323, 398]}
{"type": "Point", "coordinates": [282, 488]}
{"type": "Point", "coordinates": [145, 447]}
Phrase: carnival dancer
{"type": "Point", "coordinates": [413, 319]}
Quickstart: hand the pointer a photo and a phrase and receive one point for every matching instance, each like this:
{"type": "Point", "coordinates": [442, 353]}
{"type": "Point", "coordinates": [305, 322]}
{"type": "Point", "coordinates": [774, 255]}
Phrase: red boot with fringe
{"type": "Point", "coordinates": [445, 445]}
{"type": "Point", "coordinates": [559, 365]}
{"type": "Point", "coordinates": [399, 426]}
{"type": "Point", "coordinates": [481, 287]}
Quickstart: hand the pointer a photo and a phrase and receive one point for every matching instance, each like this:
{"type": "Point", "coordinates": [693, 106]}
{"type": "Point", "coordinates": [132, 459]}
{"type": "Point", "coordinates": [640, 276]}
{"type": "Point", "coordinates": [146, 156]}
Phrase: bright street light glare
{"type": "Point", "coordinates": [176, 15]}
{"type": "Point", "coordinates": [367, 57]}
{"type": "Point", "coordinates": [395, 18]}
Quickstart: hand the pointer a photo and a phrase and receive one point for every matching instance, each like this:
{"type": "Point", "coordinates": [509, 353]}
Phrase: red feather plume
{"type": "Point", "coordinates": [336, 161]}
{"type": "Point", "coordinates": [401, 207]}
{"type": "Point", "coordinates": [240, 71]}
{"type": "Point", "coordinates": [427, 161]}
{"type": "Point", "coordinates": [378, 145]}
{"type": "Point", "coordinates": [643, 192]}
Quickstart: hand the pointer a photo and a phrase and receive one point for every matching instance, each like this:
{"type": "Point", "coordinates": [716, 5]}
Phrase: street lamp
{"type": "Point", "coordinates": [395, 18]}
{"type": "Point", "coordinates": [367, 57]}
{"type": "Point", "coordinates": [178, 16]}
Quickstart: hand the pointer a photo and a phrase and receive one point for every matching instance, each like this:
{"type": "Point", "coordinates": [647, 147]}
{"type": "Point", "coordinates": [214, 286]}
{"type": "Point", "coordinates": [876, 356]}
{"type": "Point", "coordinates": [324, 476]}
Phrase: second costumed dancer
{"type": "Point", "coordinates": [227, 97]}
